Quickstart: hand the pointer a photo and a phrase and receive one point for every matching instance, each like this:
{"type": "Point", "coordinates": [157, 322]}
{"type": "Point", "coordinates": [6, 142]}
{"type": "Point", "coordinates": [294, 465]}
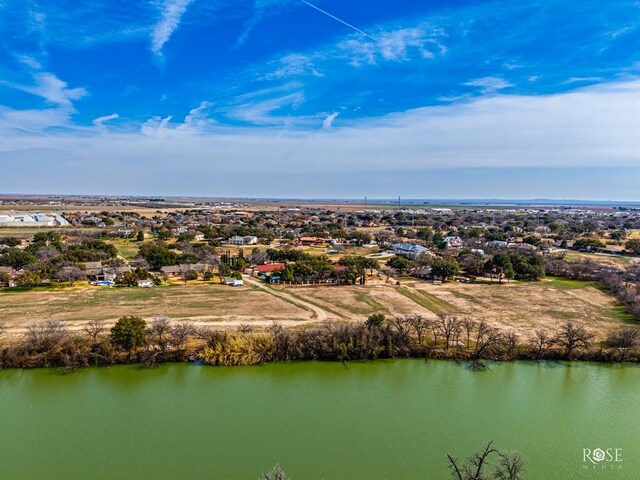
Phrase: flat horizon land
{"type": "Point", "coordinates": [56, 200]}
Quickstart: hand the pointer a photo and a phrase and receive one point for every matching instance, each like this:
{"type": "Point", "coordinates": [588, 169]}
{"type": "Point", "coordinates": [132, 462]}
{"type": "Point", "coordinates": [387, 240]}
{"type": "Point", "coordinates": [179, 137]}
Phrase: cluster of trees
{"type": "Point", "coordinates": [588, 243]}
{"type": "Point", "coordinates": [516, 265]}
{"type": "Point", "coordinates": [512, 265]}
{"type": "Point", "coordinates": [160, 254]}
{"type": "Point", "coordinates": [50, 343]}
{"type": "Point", "coordinates": [132, 339]}
{"type": "Point", "coordinates": [48, 257]}
{"type": "Point", "coordinates": [301, 267]}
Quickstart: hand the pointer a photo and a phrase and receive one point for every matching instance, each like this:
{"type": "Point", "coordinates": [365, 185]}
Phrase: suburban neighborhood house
{"type": "Point", "coordinates": [409, 250]}
{"type": "Point", "coordinates": [247, 240]}
{"type": "Point", "coordinates": [453, 242]}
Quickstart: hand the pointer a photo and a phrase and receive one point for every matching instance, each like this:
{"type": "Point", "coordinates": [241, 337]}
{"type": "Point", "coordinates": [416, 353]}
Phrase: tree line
{"type": "Point", "coordinates": [50, 343]}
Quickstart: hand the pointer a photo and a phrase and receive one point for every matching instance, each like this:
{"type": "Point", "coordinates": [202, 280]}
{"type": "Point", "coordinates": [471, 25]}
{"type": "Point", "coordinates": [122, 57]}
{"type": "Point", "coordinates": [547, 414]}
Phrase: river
{"type": "Point", "coordinates": [372, 420]}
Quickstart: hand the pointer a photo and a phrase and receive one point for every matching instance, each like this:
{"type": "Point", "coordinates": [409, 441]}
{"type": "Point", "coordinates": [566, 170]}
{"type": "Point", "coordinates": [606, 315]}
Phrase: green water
{"type": "Point", "coordinates": [376, 420]}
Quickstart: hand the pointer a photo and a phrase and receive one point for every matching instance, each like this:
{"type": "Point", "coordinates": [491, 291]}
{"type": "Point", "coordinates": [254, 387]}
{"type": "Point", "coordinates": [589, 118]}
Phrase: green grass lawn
{"type": "Point", "coordinates": [565, 283]}
{"type": "Point", "coordinates": [127, 248]}
{"type": "Point", "coordinates": [620, 314]}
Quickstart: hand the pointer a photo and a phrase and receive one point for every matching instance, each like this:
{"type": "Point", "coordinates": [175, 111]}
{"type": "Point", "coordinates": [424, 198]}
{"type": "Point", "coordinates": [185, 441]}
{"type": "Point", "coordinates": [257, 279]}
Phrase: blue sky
{"type": "Point", "coordinates": [324, 98]}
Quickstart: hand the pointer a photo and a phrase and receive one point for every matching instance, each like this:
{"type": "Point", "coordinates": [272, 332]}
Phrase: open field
{"type": "Point", "coordinates": [519, 306]}
{"type": "Point", "coordinates": [603, 258]}
{"type": "Point", "coordinates": [127, 248]}
{"type": "Point", "coordinates": [202, 303]}
{"type": "Point", "coordinates": [70, 208]}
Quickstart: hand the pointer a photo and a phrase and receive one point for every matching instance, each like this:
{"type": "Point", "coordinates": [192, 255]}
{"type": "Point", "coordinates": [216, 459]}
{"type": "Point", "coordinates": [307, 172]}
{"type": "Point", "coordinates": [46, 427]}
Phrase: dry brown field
{"type": "Point", "coordinates": [517, 306]}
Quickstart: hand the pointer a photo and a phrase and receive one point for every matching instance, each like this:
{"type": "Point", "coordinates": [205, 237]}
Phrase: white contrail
{"type": "Point", "coordinates": [339, 20]}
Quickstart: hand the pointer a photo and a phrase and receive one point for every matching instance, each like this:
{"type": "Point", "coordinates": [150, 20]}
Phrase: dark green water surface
{"type": "Point", "coordinates": [376, 420]}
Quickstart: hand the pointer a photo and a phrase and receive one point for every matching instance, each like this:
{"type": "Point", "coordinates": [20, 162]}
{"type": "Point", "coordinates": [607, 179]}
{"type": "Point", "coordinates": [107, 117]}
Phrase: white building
{"type": "Point", "coordinates": [33, 220]}
{"type": "Point", "coordinates": [248, 240]}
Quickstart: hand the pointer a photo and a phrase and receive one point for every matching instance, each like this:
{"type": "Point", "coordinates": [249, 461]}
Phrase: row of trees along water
{"type": "Point", "coordinates": [50, 343]}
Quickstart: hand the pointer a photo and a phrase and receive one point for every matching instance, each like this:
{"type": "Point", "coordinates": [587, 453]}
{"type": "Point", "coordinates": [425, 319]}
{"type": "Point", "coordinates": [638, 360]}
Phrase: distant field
{"type": "Point", "coordinates": [46, 208]}
{"type": "Point", "coordinates": [520, 306]}
{"type": "Point", "coordinates": [127, 248]}
{"type": "Point", "coordinates": [27, 232]}
{"type": "Point", "coordinates": [600, 258]}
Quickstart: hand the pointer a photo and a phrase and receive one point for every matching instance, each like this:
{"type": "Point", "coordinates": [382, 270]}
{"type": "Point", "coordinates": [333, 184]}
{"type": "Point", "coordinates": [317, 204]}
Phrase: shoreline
{"type": "Point", "coordinates": [137, 359]}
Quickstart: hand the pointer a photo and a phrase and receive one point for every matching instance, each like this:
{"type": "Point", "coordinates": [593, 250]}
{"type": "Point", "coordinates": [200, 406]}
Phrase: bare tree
{"type": "Point", "coordinates": [94, 329]}
{"type": "Point", "coordinates": [180, 333]}
{"type": "Point", "coordinates": [245, 328]}
{"type": "Point", "coordinates": [46, 335]}
{"type": "Point", "coordinates": [449, 328]}
{"type": "Point", "coordinates": [573, 337]}
{"type": "Point", "coordinates": [473, 469]}
{"type": "Point", "coordinates": [487, 341]}
{"type": "Point", "coordinates": [402, 325]}
{"type": "Point", "coordinates": [511, 340]}
{"type": "Point", "coordinates": [435, 329]}
{"type": "Point", "coordinates": [159, 329]}
{"type": "Point", "coordinates": [541, 343]}
{"type": "Point", "coordinates": [419, 324]}
{"type": "Point", "coordinates": [622, 340]}
{"type": "Point", "coordinates": [275, 474]}
{"type": "Point", "coordinates": [510, 465]}
{"type": "Point", "coordinates": [469, 324]}
{"type": "Point", "coordinates": [210, 336]}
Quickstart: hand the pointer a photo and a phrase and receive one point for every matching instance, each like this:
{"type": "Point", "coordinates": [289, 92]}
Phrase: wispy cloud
{"type": "Point", "coordinates": [170, 14]}
{"type": "Point", "coordinates": [396, 45]}
{"type": "Point", "coordinates": [197, 118]}
{"type": "Point", "coordinates": [265, 111]}
{"type": "Point", "coordinates": [99, 122]}
{"type": "Point", "coordinates": [30, 61]}
{"type": "Point", "coordinates": [489, 85]}
{"type": "Point", "coordinates": [261, 9]}
{"type": "Point", "coordinates": [156, 126]}
{"type": "Point", "coordinates": [294, 65]}
{"type": "Point", "coordinates": [48, 86]}
{"type": "Point", "coordinates": [328, 122]}
{"type": "Point", "coordinates": [507, 130]}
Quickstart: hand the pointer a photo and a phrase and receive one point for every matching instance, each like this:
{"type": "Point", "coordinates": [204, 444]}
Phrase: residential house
{"type": "Point", "coordinates": [409, 250]}
{"type": "Point", "coordinates": [108, 274]}
{"type": "Point", "coordinates": [175, 270]}
{"type": "Point", "coordinates": [246, 240]}
{"type": "Point", "coordinates": [309, 241]}
{"type": "Point", "coordinates": [453, 242]}
{"type": "Point", "coordinates": [267, 268]}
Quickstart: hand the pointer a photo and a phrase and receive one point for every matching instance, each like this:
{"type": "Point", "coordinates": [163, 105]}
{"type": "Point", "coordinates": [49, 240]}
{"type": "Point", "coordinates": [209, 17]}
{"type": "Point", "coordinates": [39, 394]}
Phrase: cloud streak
{"type": "Point", "coordinates": [49, 87]}
{"type": "Point", "coordinates": [170, 16]}
{"type": "Point", "coordinates": [371, 37]}
{"type": "Point", "coordinates": [99, 122]}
